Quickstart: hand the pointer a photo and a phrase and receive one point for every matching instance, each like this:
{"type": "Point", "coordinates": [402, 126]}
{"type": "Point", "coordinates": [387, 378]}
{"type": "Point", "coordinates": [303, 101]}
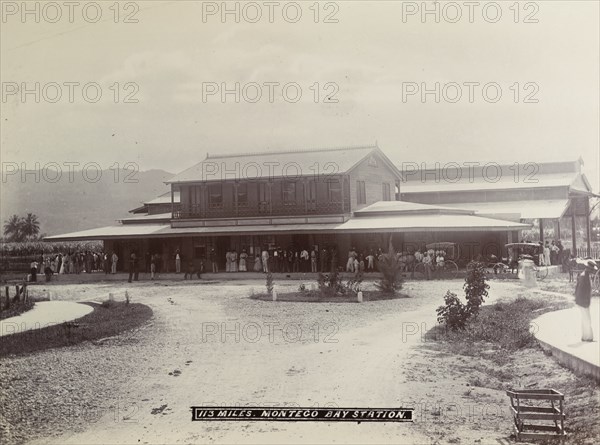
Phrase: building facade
{"type": "Point", "coordinates": [340, 198]}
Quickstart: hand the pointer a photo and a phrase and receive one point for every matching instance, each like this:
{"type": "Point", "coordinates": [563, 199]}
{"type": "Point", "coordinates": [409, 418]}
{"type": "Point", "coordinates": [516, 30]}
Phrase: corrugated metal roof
{"type": "Point", "coordinates": [118, 231]}
{"type": "Point", "coordinates": [165, 198]}
{"type": "Point", "coordinates": [406, 207]}
{"type": "Point", "coordinates": [393, 223]}
{"type": "Point", "coordinates": [545, 208]}
{"type": "Point", "coordinates": [423, 223]}
{"type": "Point", "coordinates": [479, 184]}
{"type": "Point", "coordinates": [147, 218]}
{"type": "Point", "coordinates": [277, 164]}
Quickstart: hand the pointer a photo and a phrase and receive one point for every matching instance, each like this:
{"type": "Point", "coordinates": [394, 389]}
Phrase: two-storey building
{"type": "Point", "coordinates": [305, 199]}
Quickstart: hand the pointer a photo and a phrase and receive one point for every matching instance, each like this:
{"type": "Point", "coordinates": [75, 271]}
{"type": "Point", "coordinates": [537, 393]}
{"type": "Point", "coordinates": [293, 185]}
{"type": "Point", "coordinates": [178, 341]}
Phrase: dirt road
{"type": "Point", "coordinates": [209, 345]}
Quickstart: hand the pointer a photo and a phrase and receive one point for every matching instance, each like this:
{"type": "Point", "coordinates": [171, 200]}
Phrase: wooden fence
{"type": "Point", "coordinates": [20, 297]}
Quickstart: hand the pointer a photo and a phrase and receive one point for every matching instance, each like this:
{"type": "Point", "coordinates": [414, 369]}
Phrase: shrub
{"type": "Point", "coordinates": [354, 285]}
{"type": "Point", "coordinates": [475, 288]}
{"type": "Point", "coordinates": [391, 270]}
{"type": "Point", "coordinates": [330, 284]}
{"type": "Point", "coordinates": [453, 313]}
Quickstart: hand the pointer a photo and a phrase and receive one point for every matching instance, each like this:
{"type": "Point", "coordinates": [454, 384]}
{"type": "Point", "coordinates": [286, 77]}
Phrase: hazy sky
{"type": "Point", "coordinates": [370, 57]}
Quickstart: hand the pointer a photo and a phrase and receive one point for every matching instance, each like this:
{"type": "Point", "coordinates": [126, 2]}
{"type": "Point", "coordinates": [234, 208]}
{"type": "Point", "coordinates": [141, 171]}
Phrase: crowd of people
{"type": "Point", "coordinates": [73, 263]}
{"type": "Point", "coordinates": [299, 259]}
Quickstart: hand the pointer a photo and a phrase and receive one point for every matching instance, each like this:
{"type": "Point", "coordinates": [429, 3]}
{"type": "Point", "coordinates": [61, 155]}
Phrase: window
{"type": "Point", "coordinates": [334, 190]}
{"type": "Point", "coordinates": [289, 192]}
{"type": "Point", "coordinates": [215, 195]}
{"type": "Point", "coordinates": [242, 194]}
{"type": "Point", "coordinates": [361, 193]}
{"type": "Point", "coordinates": [386, 191]}
{"type": "Point", "coordinates": [373, 161]}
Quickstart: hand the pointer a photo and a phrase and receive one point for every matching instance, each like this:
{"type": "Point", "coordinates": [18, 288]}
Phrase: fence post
{"type": "Point", "coordinates": [16, 300]}
{"type": "Point", "coordinates": [7, 297]}
{"type": "Point", "coordinates": [25, 293]}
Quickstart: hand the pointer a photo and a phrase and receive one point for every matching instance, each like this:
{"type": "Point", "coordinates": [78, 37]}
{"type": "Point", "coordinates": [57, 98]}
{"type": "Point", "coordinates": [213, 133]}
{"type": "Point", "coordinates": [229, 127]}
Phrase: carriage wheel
{"type": "Point", "coordinates": [596, 282]}
{"type": "Point", "coordinates": [419, 271]}
{"type": "Point", "coordinates": [541, 272]}
{"type": "Point", "coordinates": [500, 268]}
{"type": "Point", "coordinates": [450, 270]}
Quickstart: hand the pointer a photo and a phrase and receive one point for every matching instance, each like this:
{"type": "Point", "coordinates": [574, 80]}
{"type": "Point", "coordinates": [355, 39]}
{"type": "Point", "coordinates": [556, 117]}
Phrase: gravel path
{"type": "Point", "coordinates": [139, 386]}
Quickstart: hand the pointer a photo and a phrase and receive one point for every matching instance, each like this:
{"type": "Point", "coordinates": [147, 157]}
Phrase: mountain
{"type": "Point", "coordinates": [83, 200]}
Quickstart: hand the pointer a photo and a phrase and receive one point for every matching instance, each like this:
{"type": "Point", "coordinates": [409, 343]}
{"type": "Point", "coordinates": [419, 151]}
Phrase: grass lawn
{"type": "Point", "coordinates": [503, 354]}
{"type": "Point", "coordinates": [309, 296]}
{"type": "Point", "coordinates": [17, 309]}
{"type": "Point", "coordinates": [106, 320]}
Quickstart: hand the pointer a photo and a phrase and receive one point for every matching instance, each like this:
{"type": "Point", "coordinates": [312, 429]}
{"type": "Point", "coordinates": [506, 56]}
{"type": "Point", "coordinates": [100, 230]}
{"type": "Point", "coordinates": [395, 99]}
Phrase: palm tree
{"type": "Point", "coordinates": [31, 226]}
{"type": "Point", "coordinates": [13, 229]}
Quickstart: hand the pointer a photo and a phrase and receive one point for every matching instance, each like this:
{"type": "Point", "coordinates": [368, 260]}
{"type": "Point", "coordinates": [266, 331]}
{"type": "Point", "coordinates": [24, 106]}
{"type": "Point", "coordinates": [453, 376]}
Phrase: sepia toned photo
{"type": "Point", "coordinates": [299, 222]}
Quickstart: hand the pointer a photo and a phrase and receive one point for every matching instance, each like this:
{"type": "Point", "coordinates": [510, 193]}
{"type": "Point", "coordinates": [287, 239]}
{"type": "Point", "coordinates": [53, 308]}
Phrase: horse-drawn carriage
{"type": "Point", "coordinates": [443, 257]}
{"type": "Point", "coordinates": [510, 264]}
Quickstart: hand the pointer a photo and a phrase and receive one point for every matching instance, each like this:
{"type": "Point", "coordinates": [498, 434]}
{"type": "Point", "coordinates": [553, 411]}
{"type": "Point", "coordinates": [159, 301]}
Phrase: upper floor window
{"type": "Point", "coordinates": [215, 195]}
{"type": "Point", "coordinates": [373, 161]}
{"type": "Point", "coordinates": [242, 194]}
{"type": "Point", "coordinates": [386, 191]}
{"type": "Point", "coordinates": [361, 192]}
{"type": "Point", "coordinates": [289, 192]}
{"type": "Point", "coordinates": [334, 190]}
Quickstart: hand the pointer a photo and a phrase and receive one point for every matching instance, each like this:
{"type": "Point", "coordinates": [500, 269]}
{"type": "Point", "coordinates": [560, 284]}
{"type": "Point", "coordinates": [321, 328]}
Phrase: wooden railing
{"type": "Point", "coordinates": [264, 209]}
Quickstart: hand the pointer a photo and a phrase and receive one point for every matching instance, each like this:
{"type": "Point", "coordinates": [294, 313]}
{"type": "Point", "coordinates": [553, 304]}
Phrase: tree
{"type": "Point", "coordinates": [31, 226]}
{"type": "Point", "coordinates": [13, 229]}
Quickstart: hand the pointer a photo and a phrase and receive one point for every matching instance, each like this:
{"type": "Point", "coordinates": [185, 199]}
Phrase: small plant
{"type": "Point", "coordinates": [330, 285]}
{"type": "Point", "coordinates": [391, 270]}
{"type": "Point", "coordinates": [475, 288]}
{"type": "Point", "coordinates": [269, 283]}
{"type": "Point", "coordinates": [127, 297]}
{"type": "Point", "coordinates": [108, 303]}
{"type": "Point", "coordinates": [302, 287]}
{"type": "Point", "coordinates": [355, 284]}
{"type": "Point", "coordinates": [453, 313]}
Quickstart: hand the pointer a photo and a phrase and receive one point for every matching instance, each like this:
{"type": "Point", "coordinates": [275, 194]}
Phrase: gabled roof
{"type": "Point", "coordinates": [407, 208]}
{"type": "Point", "coordinates": [290, 164]}
{"type": "Point", "coordinates": [165, 198]}
{"type": "Point", "coordinates": [577, 181]}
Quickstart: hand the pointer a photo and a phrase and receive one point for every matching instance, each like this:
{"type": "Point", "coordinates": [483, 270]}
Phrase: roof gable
{"type": "Point", "coordinates": [283, 164]}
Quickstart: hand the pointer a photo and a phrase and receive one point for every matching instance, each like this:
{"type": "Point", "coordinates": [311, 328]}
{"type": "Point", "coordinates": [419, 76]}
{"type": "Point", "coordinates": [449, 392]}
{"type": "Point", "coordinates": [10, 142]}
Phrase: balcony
{"type": "Point", "coordinates": [263, 209]}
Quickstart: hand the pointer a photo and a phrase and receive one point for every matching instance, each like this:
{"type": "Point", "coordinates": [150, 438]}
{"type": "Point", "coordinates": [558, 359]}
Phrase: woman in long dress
{"type": "Point", "coordinates": [243, 257]}
{"type": "Point", "coordinates": [234, 261]}
{"type": "Point", "coordinates": [228, 261]}
{"type": "Point", "coordinates": [257, 264]}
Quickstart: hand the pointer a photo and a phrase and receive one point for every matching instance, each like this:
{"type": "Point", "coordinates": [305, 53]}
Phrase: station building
{"type": "Point", "coordinates": [351, 197]}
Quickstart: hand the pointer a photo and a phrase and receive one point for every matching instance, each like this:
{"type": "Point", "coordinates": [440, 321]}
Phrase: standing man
{"type": "Point", "coordinates": [324, 257]}
{"type": "Point", "coordinates": [583, 295]}
{"type": "Point", "coordinates": [177, 262]}
{"type": "Point", "coordinates": [133, 267]}
{"type": "Point", "coordinates": [106, 263]}
{"type": "Point", "coordinates": [213, 260]}
{"type": "Point", "coordinates": [305, 259]}
{"type": "Point", "coordinates": [313, 260]}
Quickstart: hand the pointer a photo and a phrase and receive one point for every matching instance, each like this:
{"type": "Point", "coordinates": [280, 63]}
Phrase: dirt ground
{"type": "Point", "coordinates": [208, 344]}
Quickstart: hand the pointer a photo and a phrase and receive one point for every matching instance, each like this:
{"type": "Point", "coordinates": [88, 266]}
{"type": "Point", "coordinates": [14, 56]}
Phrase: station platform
{"type": "Point", "coordinates": [559, 332]}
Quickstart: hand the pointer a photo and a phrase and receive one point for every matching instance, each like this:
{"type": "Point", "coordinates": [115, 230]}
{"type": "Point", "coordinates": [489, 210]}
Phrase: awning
{"type": "Point", "coordinates": [165, 230]}
{"type": "Point", "coordinates": [546, 208]}
{"type": "Point", "coordinates": [425, 223]}
{"type": "Point", "coordinates": [109, 232]}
